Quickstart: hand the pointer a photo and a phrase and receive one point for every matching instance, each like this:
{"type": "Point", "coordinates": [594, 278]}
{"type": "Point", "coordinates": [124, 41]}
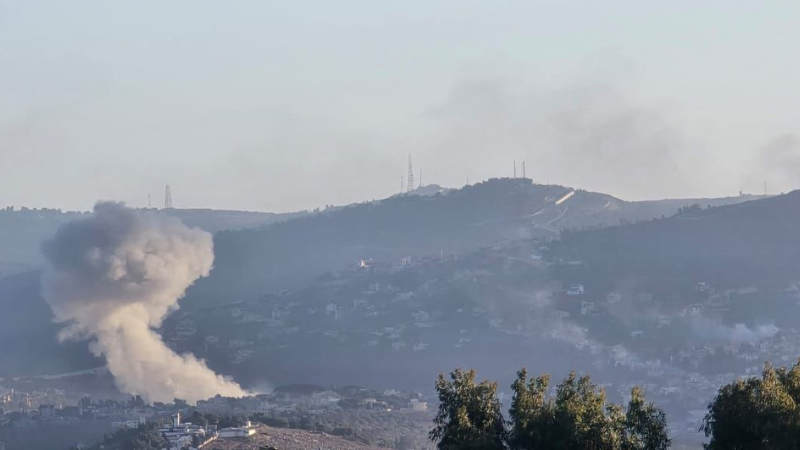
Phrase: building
{"type": "Point", "coordinates": [47, 411]}
{"type": "Point", "coordinates": [130, 423]}
{"type": "Point", "coordinates": [238, 432]}
{"type": "Point", "coordinates": [182, 435]}
{"type": "Point", "coordinates": [575, 290]}
{"type": "Point", "coordinates": [417, 405]}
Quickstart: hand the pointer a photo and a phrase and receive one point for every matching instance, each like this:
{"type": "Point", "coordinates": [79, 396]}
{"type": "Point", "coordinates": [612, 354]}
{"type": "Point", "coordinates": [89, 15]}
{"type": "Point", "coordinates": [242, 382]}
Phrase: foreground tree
{"type": "Point", "coordinates": [532, 414]}
{"type": "Point", "coordinates": [756, 413]}
{"type": "Point", "coordinates": [645, 425]}
{"type": "Point", "coordinates": [469, 415]}
{"type": "Point", "coordinates": [145, 437]}
{"type": "Point", "coordinates": [579, 418]}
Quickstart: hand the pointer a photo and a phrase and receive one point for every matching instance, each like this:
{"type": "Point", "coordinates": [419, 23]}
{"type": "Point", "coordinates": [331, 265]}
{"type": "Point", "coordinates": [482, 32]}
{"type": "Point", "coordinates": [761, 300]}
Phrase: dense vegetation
{"type": "Point", "coordinates": [578, 417]}
{"type": "Point", "coordinates": [748, 414]}
{"type": "Point", "coordinates": [757, 413]}
{"type": "Point", "coordinates": [145, 437]}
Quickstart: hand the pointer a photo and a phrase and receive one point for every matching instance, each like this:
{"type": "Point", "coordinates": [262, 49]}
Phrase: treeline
{"type": "Point", "coordinates": [757, 413]}
{"type": "Point", "coordinates": [144, 437]}
{"type": "Point", "coordinates": [748, 414]}
{"type": "Point", "coordinates": [578, 417]}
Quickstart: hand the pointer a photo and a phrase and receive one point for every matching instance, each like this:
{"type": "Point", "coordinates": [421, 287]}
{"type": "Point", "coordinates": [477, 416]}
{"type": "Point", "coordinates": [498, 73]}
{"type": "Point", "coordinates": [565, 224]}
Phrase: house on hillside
{"type": "Point", "coordinates": [575, 290]}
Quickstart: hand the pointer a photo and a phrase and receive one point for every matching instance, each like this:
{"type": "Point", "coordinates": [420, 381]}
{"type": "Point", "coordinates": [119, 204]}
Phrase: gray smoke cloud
{"type": "Point", "coordinates": [576, 135]}
{"type": "Point", "coordinates": [777, 162]}
{"type": "Point", "coordinates": [736, 334]}
{"type": "Point", "coordinates": [112, 278]}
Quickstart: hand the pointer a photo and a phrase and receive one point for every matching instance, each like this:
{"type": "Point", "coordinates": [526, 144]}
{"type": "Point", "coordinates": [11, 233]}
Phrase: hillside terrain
{"type": "Point", "coordinates": [289, 254]}
{"type": "Point", "coordinates": [745, 242]}
{"type": "Point", "coordinates": [288, 439]}
{"type": "Point", "coordinates": [542, 276]}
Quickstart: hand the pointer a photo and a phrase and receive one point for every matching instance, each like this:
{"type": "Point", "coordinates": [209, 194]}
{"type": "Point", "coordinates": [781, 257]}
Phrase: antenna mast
{"type": "Point", "coordinates": [410, 184]}
{"type": "Point", "coordinates": [167, 197]}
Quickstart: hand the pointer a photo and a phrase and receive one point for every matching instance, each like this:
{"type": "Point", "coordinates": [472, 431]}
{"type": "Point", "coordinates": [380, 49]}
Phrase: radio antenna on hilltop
{"type": "Point", "coordinates": [523, 170]}
{"type": "Point", "coordinates": [410, 183]}
{"type": "Point", "coordinates": [167, 197]}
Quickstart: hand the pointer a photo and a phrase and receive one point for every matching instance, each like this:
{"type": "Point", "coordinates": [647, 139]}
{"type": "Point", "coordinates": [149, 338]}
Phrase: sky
{"type": "Point", "coordinates": [281, 106]}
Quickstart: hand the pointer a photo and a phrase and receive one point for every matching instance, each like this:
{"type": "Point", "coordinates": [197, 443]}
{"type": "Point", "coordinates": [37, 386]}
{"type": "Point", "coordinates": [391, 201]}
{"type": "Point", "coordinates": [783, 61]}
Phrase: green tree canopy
{"type": "Point", "coordinates": [645, 425]}
{"type": "Point", "coordinates": [578, 417]}
{"type": "Point", "coordinates": [756, 413]}
{"type": "Point", "coordinates": [469, 415]}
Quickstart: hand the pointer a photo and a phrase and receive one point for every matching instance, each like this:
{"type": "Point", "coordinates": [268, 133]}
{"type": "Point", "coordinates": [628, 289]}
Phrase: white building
{"type": "Point", "coordinates": [238, 432]}
{"type": "Point", "coordinates": [417, 405]}
{"type": "Point", "coordinates": [575, 290]}
{"type": "Point", "coordinates": [180, 435]}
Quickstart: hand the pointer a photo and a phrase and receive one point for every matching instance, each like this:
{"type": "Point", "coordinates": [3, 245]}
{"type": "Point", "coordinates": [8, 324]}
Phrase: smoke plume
{"type": "Point", "coordinates": [736, 334]}
{"type": "Point", "coordinates": [112, 278]}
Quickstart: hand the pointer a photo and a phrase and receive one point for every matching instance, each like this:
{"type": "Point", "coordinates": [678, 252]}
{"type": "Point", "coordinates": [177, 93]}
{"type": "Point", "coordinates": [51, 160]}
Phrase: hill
{"type": "Point", "coordinates": [292, 255]}
{"type": "Point", "coordinates": [287, 255]}
{"type": "Point", "coordinates": [752, 241]}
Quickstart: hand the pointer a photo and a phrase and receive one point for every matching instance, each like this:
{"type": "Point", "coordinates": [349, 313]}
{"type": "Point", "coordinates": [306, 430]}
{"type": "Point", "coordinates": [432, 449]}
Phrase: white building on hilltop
{"type": "Point", "coordinates": [238, 432]}
{"type": "Point", "coordinates": [182, 435]}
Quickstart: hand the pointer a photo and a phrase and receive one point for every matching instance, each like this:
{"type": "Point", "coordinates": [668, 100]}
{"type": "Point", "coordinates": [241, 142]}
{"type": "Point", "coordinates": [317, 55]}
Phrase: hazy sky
{"type": "Point", "coordinates": [290, 105]}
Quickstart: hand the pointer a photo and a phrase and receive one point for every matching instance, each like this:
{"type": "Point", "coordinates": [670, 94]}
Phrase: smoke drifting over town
{"type": "Point", "coordinates": [113, 278]}
{"type": "Point", "coordinates": [735, 334]}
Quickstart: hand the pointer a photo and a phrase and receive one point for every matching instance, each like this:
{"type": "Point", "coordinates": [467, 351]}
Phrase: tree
{"type": "Point", "coordinates": [756, 413]}
{"type": "Point", "coordinates": [532, 414]}
{"type": "Point", "coordinates": [580, 418]}
{"type": "Point", "coordinates": [645, 424]}
{"type": "Point", "coordinates": [145, 437]}
{"type": "Point", "coordinates": [198, 418]}
{"type": "Point", "coordinates": [469, 415]}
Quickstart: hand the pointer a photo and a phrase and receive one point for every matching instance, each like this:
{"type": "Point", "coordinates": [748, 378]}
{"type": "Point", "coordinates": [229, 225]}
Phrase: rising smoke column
{"type": "Point", "coordinates": [112, 278]}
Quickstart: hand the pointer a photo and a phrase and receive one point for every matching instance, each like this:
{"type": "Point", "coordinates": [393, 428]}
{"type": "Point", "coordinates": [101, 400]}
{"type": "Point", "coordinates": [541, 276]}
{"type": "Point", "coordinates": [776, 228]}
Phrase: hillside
{"type": "Point", "coordinates": [288, 254]}
{"type": "Point", "coordinates": [291, 255]}
{"type": "Point", "coordinates": [680, 326]}
{"type": "Point", "coordinates": [755, 240]}
{"type": "Point", "coordinates": [288, 439]}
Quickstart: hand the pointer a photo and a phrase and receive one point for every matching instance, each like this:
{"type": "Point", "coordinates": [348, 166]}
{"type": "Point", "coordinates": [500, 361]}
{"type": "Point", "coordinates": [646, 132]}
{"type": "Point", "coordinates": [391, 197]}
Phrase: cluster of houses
{"type": "Point", "coordinates": [186, 435]}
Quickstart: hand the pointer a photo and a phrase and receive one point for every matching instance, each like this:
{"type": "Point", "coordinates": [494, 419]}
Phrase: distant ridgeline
{"type": "Point", "coordinates": [750, 242]}
{"type": "Point", "coordinates": [23, 230]}
{"type": "Point", "coordinates": [289, 254]}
